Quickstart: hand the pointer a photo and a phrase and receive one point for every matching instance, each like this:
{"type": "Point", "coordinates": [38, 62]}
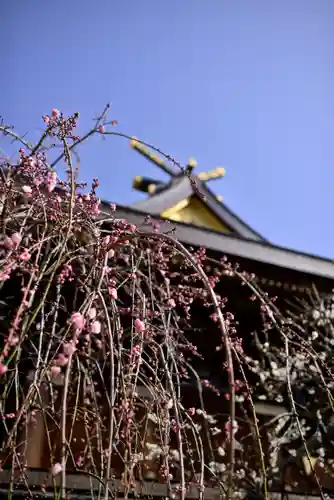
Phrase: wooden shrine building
{"type": "Point", "coordinates": [187, 206]}
{"type": "Point", "coordinates": [198, 219]}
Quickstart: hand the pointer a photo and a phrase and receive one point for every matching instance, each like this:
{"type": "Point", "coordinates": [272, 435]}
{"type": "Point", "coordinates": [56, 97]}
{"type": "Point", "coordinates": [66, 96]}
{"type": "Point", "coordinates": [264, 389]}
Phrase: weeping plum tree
{"type": "Point", "coordinates": [95, 345]}
{"type": "Point", "coordinates": [92, 353]}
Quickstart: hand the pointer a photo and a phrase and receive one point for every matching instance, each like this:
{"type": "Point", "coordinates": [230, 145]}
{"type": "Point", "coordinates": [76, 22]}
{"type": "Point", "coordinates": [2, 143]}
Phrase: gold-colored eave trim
{"type": "Point", "coordinates": [167, 214]}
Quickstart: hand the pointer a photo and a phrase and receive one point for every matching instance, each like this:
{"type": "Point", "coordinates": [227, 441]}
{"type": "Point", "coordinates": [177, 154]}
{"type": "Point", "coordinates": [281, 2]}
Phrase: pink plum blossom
{"type": "Point", "coordinates": [38, 181]}
{"type": "Point", "coordinates": [51, 181]}
{"type": "Point", "coordinates": [92, 313]}
{"type": "Point", "coordinates": [139, 325]}
{"type": "Point", "coordinates": [113, 293]}
{"type": "Point", "coordinates": [111, 253]}
{"type": "Point", "coordinates": [5, 272]}
{"type": "Point", "coordinates": [95, 327]}
{"type": "Point", "coordinates": [61, 360]}
{"type": "Point", "coordinates": [95, 208]}
{"type": "Point", "coordinates": [54, 113]}
{"type": "Point", "coordinates": [228, 429]}
{"type": "Point", "coordinates": [79, 461]}
{"type": "Point", "coordinates": [68, 348]}
{"type": "Point", "coordinates": [136, 350]}
{"type": "Point", "coordinates": [8, 243]}
{"type": "Point", "coordinates": [56, 469]}
{"type": "Point", "coordinates": [55, 371]}
{"type": "Point", "coordinates": [3, 369]}
{"type": "Point", "coordinates": [16, 239]}
{"type": "Point", "coordinates": [25, 255]}
{"type": "Point", "coordinates": [13, 340]}
{"type": "Point", "coordinates": [27, 190]}
{"type": "Point", "coordinates": [78, 320]}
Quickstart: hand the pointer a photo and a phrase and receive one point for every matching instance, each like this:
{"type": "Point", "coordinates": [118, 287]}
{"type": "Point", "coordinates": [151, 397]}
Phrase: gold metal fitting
{"type": "Point", "coordinates": [151, 188]}
{"type": "Point", "coordinates": [133, 142]}
{"type": "Point", "coordinates": [192, 163]}
{"type": "Point", "coordinates": [137, 182]}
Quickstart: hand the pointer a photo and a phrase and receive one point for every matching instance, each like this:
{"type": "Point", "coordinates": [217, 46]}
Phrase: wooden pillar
{"type": "Point", "coordinates": [32, 439]}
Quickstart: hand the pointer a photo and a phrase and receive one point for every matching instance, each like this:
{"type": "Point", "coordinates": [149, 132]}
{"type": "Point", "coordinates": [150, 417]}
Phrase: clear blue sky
{"type": "Point", "coordinates": [248, 84]}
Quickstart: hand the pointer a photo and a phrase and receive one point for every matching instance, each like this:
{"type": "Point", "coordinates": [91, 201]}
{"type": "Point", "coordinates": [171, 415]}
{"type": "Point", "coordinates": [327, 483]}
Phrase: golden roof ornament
{"type": "Point", "coordinates": [150, 186]}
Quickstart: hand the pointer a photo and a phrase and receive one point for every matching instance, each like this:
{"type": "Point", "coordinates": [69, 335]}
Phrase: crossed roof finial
{"type": "Point", "coordinates": [216, 173]}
